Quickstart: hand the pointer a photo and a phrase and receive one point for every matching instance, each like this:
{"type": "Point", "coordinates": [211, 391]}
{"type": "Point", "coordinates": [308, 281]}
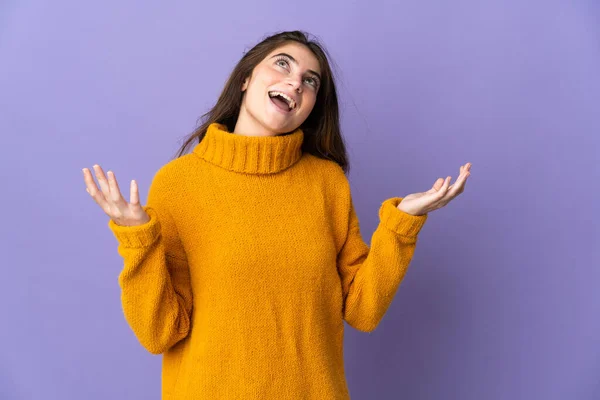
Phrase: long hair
{"type": "Point", "coordinates": [322, 134]}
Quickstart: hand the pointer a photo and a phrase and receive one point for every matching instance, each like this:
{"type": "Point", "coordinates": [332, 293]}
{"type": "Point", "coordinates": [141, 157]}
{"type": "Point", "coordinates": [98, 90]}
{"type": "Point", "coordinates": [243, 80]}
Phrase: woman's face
{"type": "Point", "coordinates": [280, 93]}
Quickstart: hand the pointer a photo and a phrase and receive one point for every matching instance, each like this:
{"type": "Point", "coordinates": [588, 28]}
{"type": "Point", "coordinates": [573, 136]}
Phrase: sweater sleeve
{"type": "Point", "coordinates": [156, 293]}
{"type": "Point", "coordinates": [371, 276]}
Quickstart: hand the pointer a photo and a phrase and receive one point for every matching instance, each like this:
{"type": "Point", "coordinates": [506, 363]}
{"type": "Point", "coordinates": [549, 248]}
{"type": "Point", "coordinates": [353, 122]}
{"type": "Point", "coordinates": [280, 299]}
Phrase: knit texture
{"type": "Point", "coordinates": [250, 264]}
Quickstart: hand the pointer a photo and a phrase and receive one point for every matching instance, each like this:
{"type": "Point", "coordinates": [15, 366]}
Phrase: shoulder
{"type": "Point", "coordinates": [168, 181]}
{"type": "Point", "coordinates": [330, 174]}
{"type": "Point", "coordinates": [174, 171]}
{"type": "Point", "coordinates": [326, 168]}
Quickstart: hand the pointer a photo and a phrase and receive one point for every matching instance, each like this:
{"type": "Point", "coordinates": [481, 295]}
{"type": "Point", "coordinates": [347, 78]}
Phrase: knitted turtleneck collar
{"type": "Point", "coordinates": [249, 154]}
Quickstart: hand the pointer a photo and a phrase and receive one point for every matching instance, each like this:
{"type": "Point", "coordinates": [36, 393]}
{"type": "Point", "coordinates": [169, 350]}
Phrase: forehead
{"type": "Point", "coordinates": [305, 57]}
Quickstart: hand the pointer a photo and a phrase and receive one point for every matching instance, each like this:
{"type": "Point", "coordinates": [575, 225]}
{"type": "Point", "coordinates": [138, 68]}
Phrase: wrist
{"type": "Point", "coordinates": [406, 210]}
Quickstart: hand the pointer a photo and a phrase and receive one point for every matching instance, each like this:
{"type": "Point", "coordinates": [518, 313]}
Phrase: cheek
{"type": "Point", "coordinates": [254, 95]}
{"type": "Point", "coordinates": [267, 78]}
{"type": "Point", "coordinates": [260, 86]}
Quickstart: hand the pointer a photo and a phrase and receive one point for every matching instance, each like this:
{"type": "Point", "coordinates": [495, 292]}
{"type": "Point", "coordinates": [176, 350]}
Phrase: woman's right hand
{"type": "Point", "coordinates": [110, 200]}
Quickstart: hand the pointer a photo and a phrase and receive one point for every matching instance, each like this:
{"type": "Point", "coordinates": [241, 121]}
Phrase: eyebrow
{"type": "Point", "coordinates": [296, 62]}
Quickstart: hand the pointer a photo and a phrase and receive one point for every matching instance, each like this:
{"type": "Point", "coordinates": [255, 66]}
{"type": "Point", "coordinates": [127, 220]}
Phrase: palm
{"type": "Point", "coordinates": [440, 194]}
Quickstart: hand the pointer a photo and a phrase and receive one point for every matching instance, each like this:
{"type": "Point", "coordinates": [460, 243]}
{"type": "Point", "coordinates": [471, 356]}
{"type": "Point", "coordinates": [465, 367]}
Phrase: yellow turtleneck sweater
{"type": "Point", "coordinates": [250, 264]}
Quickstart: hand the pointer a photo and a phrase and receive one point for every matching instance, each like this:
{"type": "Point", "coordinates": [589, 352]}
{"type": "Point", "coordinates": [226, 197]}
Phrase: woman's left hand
{"type": "Point", "coordinates": [438, 196]}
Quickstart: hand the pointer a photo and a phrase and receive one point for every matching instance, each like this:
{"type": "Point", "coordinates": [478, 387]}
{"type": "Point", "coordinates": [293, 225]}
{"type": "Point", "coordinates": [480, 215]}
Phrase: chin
{"type": "Point", "coordinates": [278, 127]}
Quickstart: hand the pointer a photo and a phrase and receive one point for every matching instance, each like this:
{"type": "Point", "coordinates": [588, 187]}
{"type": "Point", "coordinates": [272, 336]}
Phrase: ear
{"type": "Point", "coordinates": [245, 84]}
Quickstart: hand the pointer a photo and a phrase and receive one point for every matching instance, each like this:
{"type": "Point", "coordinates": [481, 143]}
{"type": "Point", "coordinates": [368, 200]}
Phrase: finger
{"type": "Point", "coordinates": [115, 192]}
{"type": "Point", "coordinates": [134, 193]}
{"type": "Point", "coordinates": [93, 190]}
{"type": "Point", "coordinates": [102, 181]}
{"type": "Point", "coordinates": [464, 169]}
{"type": "Point", "coordinates": [90, 184]}
{"type": "Point", "coordinates": [459, 185]}
{"type": "Point", "coordinates": [442, 190]}
{"type": "Point", "coordinates": [446, 184]}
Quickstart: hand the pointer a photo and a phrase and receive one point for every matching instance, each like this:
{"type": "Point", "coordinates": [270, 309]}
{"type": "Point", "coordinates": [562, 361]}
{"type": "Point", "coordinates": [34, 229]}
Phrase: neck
{"type": "Point", "coordinates": [248, 126]}
{"type": "Point", "coordinates": [252, 154]}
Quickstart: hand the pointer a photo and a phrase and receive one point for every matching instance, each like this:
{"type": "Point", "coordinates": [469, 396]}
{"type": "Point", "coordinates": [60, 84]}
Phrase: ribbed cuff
{"type": "Point", "coordinates": [139, 235]}
{"type": "Point", "coordinates": [398, 221]}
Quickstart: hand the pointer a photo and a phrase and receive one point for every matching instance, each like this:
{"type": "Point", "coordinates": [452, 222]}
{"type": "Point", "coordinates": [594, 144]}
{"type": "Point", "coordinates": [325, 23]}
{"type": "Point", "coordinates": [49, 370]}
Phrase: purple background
{"type": "Point", "coordinates": [502, 300]}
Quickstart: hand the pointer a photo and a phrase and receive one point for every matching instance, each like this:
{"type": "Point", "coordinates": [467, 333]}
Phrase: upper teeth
{"type": "Point", "coordinates": [291, 102]}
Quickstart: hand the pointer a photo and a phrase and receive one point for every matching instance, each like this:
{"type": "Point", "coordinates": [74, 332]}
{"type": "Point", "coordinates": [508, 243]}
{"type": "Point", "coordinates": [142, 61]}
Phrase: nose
{"type": "Point", "coordinates": [295, 83]}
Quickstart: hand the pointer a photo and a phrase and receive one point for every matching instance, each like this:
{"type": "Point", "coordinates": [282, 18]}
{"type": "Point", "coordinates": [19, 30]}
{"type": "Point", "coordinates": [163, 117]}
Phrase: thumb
{"type": "Point", "coordinates": [134, 194]}
{"type": "Point", "coordinates": [436, 186]}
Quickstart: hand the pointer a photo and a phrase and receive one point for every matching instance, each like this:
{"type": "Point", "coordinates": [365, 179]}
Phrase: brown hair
{"type": "Point", "coordinates": [322, 134]}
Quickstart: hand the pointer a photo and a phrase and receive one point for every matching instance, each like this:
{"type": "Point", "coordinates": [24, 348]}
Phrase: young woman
{"type": "Point", "coordinates": [247, 258]}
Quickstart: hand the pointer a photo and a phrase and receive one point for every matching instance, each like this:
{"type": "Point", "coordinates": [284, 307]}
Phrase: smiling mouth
{"type": "Point", "coordinates": [282, 101]}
